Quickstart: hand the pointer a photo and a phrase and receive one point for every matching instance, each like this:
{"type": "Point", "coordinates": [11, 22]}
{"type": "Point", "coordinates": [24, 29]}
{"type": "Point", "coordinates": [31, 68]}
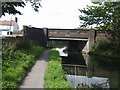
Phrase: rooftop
{"type": "Point", "coordinates": [6, 22]}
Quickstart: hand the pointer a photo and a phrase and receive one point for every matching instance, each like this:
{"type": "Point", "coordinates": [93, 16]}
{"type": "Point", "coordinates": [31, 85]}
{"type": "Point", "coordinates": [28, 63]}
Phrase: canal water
{"type": "Point", "coordinates": [85, 71]}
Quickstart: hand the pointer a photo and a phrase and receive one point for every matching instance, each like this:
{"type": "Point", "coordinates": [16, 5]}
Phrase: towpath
{"type": "Point", "coordinates": [35, 78]}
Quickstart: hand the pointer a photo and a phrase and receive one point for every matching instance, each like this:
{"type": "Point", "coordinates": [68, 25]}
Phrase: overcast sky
{"type": "Point", "coordinates": [53, 14]}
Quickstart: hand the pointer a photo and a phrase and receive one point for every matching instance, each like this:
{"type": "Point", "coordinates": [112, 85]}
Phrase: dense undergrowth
{"type": "Point", "coordinates": [106, 49]}
{"type": "Point", "coordinates": [54, 76]}
{"type": "Point", "coordinates": [18, 56]}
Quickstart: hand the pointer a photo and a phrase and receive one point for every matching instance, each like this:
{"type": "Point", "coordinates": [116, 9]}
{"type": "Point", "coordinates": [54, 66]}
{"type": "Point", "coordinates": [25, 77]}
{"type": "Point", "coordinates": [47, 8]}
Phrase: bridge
{"type": "Point", "coordinates": [67, 39]}
{"type": "Point", "coordinates": [79, 39]}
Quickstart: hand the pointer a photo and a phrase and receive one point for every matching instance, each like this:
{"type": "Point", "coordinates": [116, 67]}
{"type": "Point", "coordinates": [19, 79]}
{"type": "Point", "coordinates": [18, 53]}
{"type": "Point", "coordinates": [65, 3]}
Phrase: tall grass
{"type": "Point", "coordinates": [18, 58]}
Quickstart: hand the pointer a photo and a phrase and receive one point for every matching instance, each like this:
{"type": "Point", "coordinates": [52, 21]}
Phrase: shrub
{"type": "Point", "coordinates": [106, 49]}
{"type": "Point", "coordinates": [23, 45]}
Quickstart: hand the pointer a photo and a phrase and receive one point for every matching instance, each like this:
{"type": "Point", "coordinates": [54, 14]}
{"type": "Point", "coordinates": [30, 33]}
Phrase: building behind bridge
{"type": "Point", "coordinates": [9, 26]}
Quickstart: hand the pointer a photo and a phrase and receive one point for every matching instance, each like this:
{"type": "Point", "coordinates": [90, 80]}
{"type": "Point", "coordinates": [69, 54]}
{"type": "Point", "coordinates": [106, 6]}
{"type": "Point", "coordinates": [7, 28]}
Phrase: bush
{"type": "Point", "coordinates": [23, 45]}
{"type": "Point", "coordinates": [54, 76]}
{"type": "Point", "coordinates": [106, 49]}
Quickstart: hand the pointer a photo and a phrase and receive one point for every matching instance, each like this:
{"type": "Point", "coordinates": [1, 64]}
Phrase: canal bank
{"type": "Point", "coordinates": [105, 49]}
{"type": "Point", "coordinates": [54, 75]}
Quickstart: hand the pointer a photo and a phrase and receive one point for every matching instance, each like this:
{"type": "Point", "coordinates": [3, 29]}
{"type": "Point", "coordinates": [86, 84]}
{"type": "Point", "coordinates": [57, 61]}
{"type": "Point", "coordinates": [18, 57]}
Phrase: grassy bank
{"type": "Point", "coordinates": [106, 49]}
{"type": "Point", "coordinates": [17, 59]}
{"type": "Point", "coordinates": [54, 76]}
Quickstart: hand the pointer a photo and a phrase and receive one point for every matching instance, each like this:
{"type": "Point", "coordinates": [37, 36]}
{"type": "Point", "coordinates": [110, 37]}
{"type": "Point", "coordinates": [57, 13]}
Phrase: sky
{"type": "Point", "coordinates": [52, 14]}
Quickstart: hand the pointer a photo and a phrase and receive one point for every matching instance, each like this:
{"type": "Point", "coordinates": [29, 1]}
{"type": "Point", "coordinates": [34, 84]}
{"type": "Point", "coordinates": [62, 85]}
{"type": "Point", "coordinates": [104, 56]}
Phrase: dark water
{"type": "Point", "coordinates": [84, 71]}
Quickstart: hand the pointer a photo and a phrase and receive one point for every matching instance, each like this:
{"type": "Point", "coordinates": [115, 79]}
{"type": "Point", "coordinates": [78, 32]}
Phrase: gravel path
{"type": "Point", "coordinates": [35, 78]}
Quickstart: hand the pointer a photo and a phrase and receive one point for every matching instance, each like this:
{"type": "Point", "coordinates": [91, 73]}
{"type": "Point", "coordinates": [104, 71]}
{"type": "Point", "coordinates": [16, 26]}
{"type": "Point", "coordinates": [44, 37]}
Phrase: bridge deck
{"type": "Point", "coordinates": [70, 39]}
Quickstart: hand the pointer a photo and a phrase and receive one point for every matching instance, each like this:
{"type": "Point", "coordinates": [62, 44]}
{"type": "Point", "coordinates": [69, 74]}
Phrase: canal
{"type": "Point", "coordinates": [85, 71]}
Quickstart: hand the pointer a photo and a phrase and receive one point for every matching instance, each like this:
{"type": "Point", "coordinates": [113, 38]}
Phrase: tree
{"type": "Point", "coordinates": [9, 6]}
{"type": "Point", "coordinates": [106, 16]}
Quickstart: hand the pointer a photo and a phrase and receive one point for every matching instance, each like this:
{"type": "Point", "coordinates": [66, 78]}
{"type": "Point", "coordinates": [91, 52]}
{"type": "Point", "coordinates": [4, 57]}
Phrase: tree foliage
{"type": "Point", "coordinates": [9, 6]}
{"type": "Point", "coordinates": [104, 15]}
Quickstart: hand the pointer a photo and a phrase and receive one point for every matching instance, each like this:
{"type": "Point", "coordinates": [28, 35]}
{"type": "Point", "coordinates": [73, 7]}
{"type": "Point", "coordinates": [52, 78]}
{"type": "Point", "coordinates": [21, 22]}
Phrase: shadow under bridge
{"type": "Point", "coordinates": [74, 44]}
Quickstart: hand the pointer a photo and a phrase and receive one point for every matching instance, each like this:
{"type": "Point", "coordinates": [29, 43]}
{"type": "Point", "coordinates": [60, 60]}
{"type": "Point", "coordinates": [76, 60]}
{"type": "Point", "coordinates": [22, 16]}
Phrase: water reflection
{"type": "Point", "coordinates": [74, 58]}
{"type": "Point", "coordinates": [84, 71]}
{"type": "Point", "coordinates": [85, 81]}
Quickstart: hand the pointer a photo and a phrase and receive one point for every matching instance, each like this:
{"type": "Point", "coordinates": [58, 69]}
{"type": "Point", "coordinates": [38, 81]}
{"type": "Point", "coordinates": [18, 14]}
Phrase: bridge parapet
{"type": "Point", "coordinates": [68, 33]}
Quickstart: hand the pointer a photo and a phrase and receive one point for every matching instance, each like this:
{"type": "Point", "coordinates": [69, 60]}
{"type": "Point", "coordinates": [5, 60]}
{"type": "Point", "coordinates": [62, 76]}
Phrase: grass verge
{"type": "Point", "coordinates": [17, 60]}
{"type": "Point", "coordinates": [54, 76]}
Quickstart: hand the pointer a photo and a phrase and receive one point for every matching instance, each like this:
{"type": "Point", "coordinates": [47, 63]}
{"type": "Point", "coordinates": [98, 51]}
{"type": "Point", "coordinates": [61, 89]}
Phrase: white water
{"type": "Point", "coordinates": [61, 53]}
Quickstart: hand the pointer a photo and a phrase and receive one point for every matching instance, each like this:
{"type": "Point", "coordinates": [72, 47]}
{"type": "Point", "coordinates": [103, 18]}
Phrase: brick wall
{"type": "Point", "coordinates": [36, 34]}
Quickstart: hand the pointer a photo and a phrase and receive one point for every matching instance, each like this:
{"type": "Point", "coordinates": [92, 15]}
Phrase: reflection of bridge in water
{"type": "Point", "coordinates": [80, 71]}
{"type": "Point", "coordinates": [77, 64]}
{"type": "Point", "coordinates": [71, 69]}
{"type": "Point", "coordinates": [82, 75]}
